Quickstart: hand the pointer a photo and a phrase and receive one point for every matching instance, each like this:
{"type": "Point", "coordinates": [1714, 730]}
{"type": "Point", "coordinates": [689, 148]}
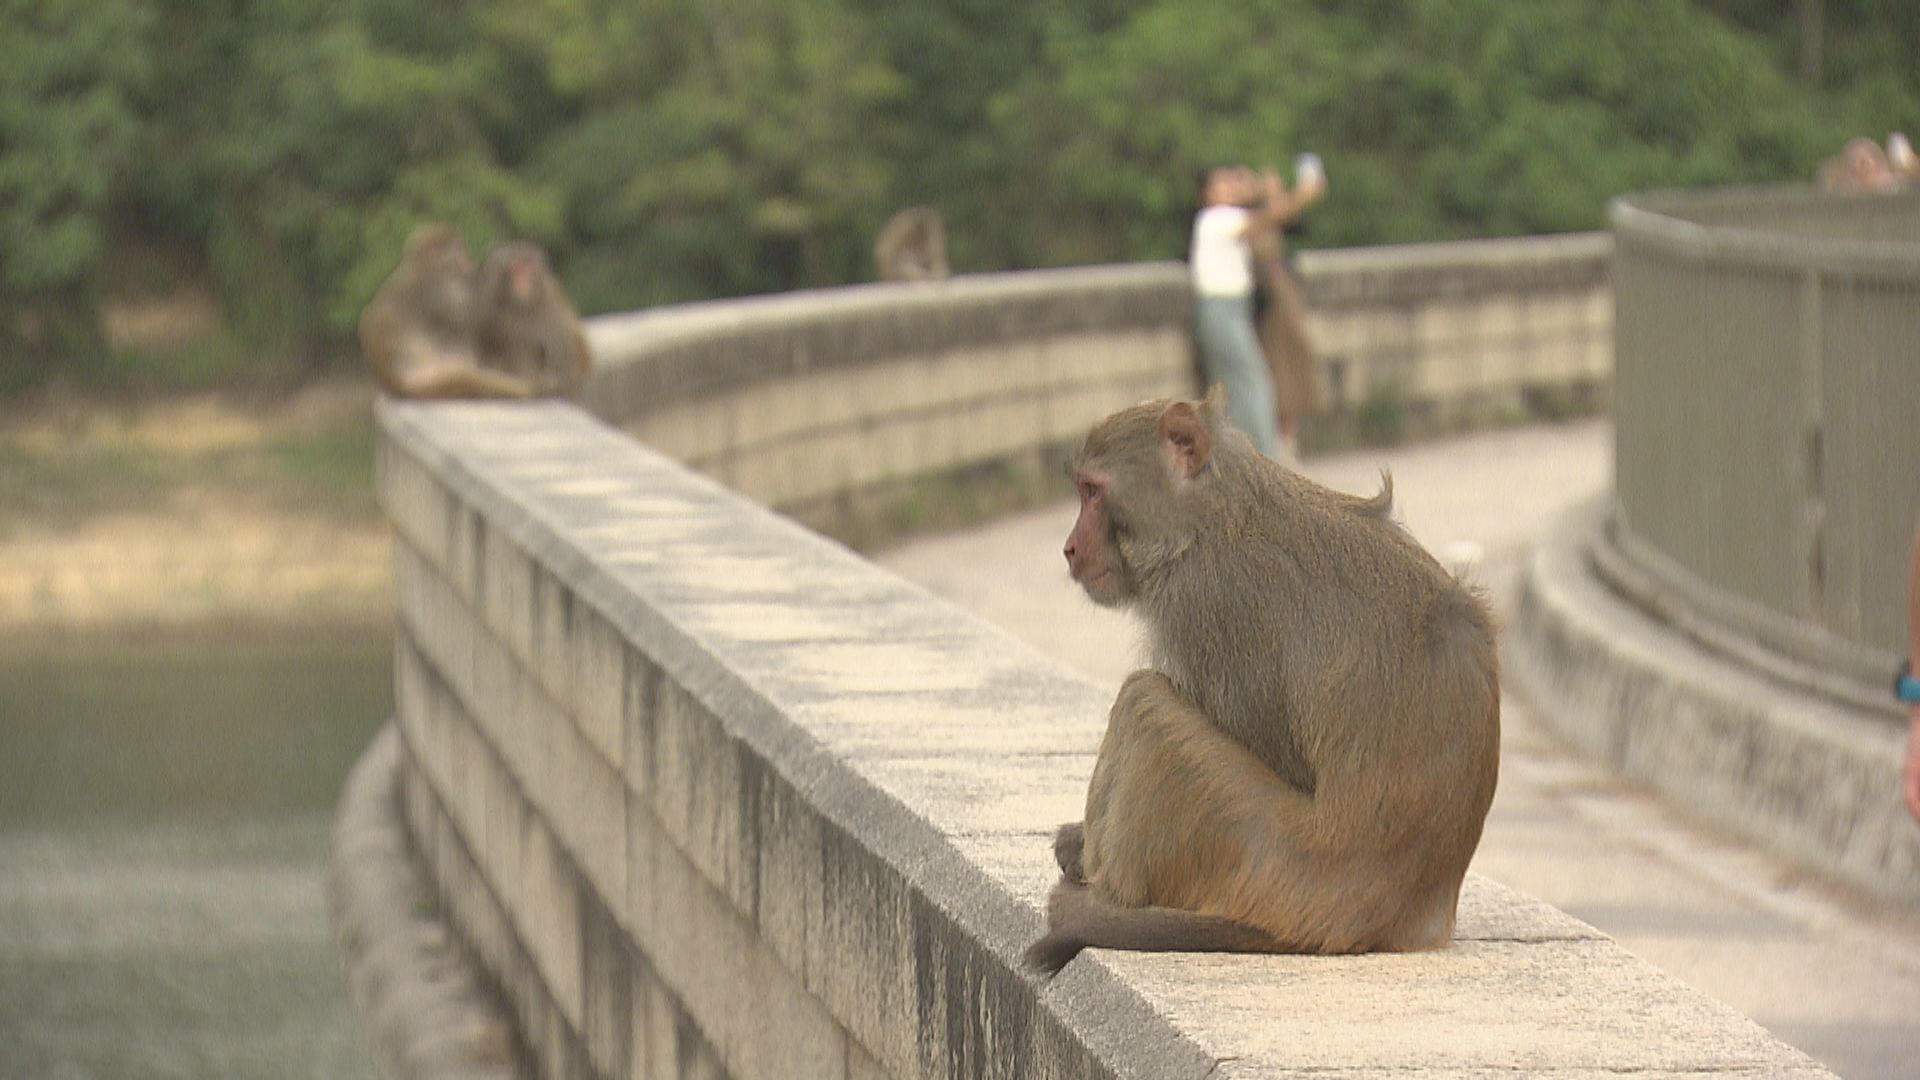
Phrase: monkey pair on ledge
{"type": "Point", "coordinates": [1307, 765]}
{"type": "Point", "coordinates": [436, 329]}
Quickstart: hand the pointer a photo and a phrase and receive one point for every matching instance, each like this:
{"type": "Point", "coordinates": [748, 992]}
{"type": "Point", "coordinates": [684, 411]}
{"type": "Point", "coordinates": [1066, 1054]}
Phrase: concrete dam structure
{"type": "Point", "coordinates": [1726, 625]}
{"type": "Point", "coordinates": [696, 790]}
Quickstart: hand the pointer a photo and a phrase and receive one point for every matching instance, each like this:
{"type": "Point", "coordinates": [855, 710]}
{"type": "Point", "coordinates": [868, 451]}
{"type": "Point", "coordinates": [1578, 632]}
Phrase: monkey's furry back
{"type": "Point", "coordinates": [1314, 604]}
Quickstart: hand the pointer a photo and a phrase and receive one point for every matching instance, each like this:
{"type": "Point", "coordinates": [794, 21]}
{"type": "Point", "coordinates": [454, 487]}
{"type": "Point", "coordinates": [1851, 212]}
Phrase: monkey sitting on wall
{"type": "Point", "coordinates": [912, 246]}
{"type": "Point", "coordinates": [525, 326]}
{"type": "Point", "coordinates": [1307, 767]}
{"type": "Point", "coordinates": [417, 333]}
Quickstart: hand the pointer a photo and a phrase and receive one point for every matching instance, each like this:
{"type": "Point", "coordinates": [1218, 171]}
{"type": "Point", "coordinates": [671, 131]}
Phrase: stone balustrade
{"type": "Point", "coordinates": [704, 793]}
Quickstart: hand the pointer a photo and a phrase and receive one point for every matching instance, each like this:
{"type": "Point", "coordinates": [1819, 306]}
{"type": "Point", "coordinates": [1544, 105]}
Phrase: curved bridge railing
{"type": "Point", "coordinates": [834, 406]}
{"type": "Point", "coordinates": [707, 794]}
{"type": "Point", "coordinates": [1767, 411]}
{"type": "Point", "coordinates": [1725, 626]}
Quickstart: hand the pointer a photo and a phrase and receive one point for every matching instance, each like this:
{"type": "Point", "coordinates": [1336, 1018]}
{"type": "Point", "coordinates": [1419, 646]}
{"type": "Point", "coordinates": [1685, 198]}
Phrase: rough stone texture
{"type": "Point", "coordinates": [809, 839]}
{"type": "Point", "coordinates": [1758, 754]}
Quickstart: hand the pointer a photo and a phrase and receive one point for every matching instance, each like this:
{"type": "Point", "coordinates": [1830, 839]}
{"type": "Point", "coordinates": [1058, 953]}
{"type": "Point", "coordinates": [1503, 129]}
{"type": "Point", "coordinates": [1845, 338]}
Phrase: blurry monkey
{"type": "Point", "coordinates": [416, 333]}
{"type": "Point", "coordinates": [1859, 166]}
{"type": "Point", "coordinates": [912, 246]}
{"type": "Point", "coordinates": [525, 325]}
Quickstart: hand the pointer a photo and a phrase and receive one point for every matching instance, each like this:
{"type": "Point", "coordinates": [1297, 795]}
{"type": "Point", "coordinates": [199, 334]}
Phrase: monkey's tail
{"type": "Point", "coordinates": [1380, 504]}
{"type": "Point", "coordinates": [1081, 920]}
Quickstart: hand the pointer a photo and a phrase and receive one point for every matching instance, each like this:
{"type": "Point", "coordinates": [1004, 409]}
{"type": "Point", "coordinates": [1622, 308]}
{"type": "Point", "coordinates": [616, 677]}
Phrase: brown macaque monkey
{"type": "Point", "coordinates": [526, 326]}
{"type": "Point", "coordinates": [912, 246]}
{"type": "Point", "coordinates": [417, 332]}
{"type": "Point", "coordinates": [1308, 765]}
{"type": "Point", "coordinates": [1859, 166]}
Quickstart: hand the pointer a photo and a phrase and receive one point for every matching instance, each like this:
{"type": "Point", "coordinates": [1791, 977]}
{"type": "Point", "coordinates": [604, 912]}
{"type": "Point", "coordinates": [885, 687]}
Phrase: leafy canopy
{"type": "Point", "coordinates": [278, 151]}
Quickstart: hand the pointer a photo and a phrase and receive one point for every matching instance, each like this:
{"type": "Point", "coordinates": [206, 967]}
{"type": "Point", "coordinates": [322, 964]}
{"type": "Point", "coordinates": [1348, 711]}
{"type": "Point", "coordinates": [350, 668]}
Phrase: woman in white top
{"type": "Point", "coordinates": [1233, 203]}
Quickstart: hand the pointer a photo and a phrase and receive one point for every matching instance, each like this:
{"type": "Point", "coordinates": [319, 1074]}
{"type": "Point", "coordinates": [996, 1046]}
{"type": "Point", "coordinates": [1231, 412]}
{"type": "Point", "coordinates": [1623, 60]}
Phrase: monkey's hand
{"type": "Point", "coordinates": [1068, 845]}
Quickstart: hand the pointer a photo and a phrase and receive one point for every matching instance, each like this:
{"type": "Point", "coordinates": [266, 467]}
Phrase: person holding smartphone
{"type": "Point", "coordinates": [1280, 316]}
{"type": "Point", "coordinates": [1234, 204]}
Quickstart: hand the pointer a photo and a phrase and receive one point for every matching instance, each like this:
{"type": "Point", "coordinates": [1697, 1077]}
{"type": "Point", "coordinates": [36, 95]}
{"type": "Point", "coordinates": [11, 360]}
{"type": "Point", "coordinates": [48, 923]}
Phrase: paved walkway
{"type": "Point", "coordinates": [1830, 973]}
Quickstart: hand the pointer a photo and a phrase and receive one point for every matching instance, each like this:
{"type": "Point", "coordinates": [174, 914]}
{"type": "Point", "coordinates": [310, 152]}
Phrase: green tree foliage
{"type": "Point", "coordinates": [68, 74]}
{"type": "Point", "coordinates": [1437, 118]}
{"type": "Point", "coordinates": [360, 120]}
{"type": "Point", "coordinates": [709, 147]}
{"type": "Point", "coordinates": [1862, 43]}
{"type": "Point", "coordinates": [677, 149]}
{"type": "Point", "coordinates": [943, 138]}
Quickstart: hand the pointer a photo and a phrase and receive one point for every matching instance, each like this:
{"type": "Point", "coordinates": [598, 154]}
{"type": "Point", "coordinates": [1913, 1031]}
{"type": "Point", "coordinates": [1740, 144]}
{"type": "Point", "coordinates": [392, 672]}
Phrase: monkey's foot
{"type": "Point", "coordinates": [1069, 844]}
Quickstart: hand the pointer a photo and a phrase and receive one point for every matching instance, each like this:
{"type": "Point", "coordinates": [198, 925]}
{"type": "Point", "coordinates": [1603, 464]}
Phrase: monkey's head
{"type": "Point", "coordinates": [519, 270]}
{"type": "Point", "coordinates": [438, 248]}
{"type": "Point", "coordinates": [1139, 475]}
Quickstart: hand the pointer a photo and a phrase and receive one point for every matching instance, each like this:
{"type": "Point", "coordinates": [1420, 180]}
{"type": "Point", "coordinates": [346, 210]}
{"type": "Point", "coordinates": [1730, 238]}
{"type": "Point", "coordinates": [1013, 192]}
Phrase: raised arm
{"type": "Point", "coordinates": [1278, 205]}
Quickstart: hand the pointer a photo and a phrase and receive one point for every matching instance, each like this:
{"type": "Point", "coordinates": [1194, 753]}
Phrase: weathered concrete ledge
{"type": "Point", "coordinates": [1730, 736]}
{"type": "Point", "coordinates": [710, 795]}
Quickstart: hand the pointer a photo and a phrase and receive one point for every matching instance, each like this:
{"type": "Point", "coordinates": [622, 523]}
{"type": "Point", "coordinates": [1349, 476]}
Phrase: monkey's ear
{"type": "Point", "coordinates": [1184, 435]}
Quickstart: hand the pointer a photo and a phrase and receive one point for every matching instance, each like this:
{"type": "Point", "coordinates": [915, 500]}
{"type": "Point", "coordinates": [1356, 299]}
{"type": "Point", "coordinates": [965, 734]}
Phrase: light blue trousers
{"type": "Point", "coordinates": [1230, 355]}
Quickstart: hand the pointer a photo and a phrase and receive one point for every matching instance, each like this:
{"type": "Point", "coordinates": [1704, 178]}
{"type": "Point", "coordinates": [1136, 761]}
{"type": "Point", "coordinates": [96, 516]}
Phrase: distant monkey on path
{"type": "Point", "coordinates": [1307, 766]}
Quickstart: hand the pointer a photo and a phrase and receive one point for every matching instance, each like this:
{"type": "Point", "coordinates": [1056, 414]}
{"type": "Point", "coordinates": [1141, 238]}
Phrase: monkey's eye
{"type": "Point", "coordinates": [1089, 491]}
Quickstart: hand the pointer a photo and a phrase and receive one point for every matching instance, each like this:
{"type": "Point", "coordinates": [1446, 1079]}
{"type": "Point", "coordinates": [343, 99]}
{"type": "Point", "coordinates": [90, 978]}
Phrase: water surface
{"type": "Point", "coordinates": [163, 826]}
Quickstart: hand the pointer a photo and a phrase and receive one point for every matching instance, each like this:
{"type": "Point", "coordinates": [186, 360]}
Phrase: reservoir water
{"type": "Point", "coordinates": [163, 829]}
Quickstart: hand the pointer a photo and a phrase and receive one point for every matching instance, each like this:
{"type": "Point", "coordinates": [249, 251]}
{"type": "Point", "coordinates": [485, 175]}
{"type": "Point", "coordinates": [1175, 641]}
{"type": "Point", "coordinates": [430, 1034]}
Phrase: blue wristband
{"type": "Point", "coordinates": [1906, 686]}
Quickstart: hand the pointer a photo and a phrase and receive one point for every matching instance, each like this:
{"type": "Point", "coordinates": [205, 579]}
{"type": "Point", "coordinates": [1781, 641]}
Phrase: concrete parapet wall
{"type": "Point", "coordinates": [1786, 764]}
{"type": "Point", "coordinates": [709, 795]}
{"type": "Point", "coordinates": [1768, 416]}
{"type": "Point", "coordinates": [804, 400]}
{"type": "Point", "coordinates": [1457, 327]}
{"type": "Point", "coordinates": [807, 400]}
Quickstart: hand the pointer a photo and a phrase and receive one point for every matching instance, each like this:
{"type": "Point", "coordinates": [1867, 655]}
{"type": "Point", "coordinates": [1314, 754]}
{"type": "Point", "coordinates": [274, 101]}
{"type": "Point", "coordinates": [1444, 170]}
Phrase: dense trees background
{"type": "Point", "coordinates": [268, 156]}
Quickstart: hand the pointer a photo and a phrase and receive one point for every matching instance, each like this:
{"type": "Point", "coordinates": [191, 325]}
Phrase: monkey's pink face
{"type": "Point", "coordinates": [523, 280]}
{"type": "Point", "coordinates": [1092, 558]}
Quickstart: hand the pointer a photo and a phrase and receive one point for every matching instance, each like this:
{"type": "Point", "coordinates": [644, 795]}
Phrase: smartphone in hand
{"type": "Point", "coordinates": [1308, 170]}
{"type": "Point", "coordinates": [1899, 152]}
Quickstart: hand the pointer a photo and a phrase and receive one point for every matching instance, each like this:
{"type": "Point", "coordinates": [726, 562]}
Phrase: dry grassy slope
{"type": "Point", "coordinates": [190, 512]}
